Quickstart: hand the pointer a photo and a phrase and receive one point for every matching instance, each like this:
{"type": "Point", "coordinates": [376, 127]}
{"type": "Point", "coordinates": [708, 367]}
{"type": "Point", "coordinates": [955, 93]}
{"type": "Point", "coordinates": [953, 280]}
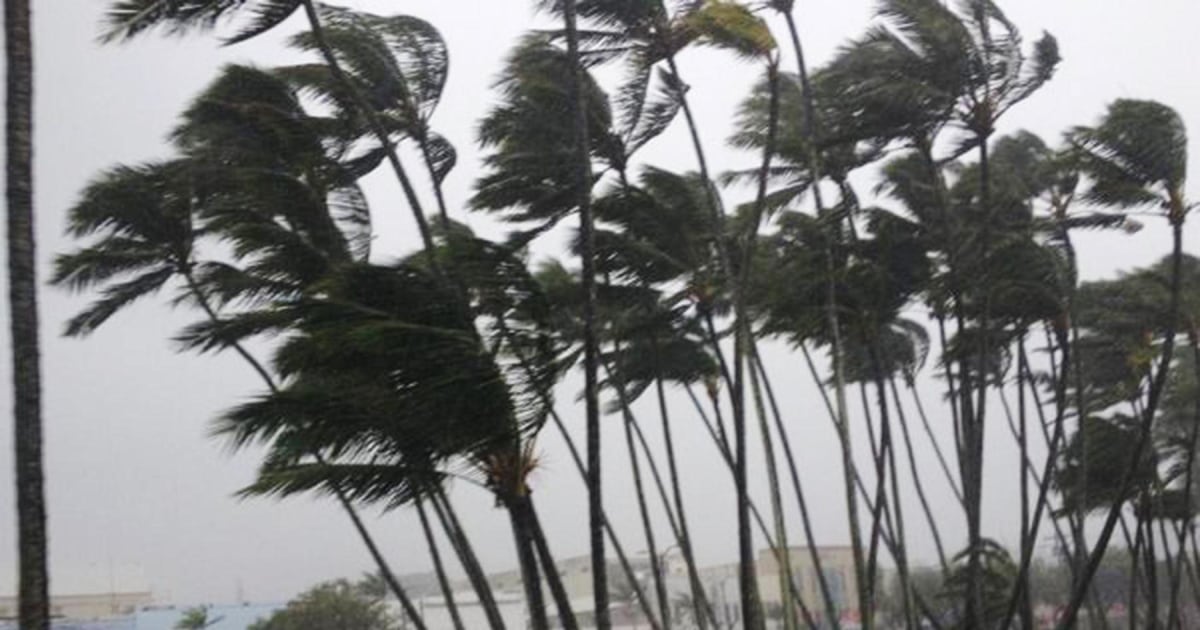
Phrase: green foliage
{"type": "Point", "coordinates": [336, 604]}
{"type": "Point", "coordinates": [127, 19]}
{"type": "Point", "coordinates": [999, 574]}
{"type": "Point", "coordinates": [1135, 156]}
{"type": "Point", "coordinates": [195, 618]}
{"type": "Point", "coordinates": [529, 173]}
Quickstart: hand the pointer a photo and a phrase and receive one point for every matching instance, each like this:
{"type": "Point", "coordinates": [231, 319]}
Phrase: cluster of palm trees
{"type": "Point", "coordinates": [388, 381]}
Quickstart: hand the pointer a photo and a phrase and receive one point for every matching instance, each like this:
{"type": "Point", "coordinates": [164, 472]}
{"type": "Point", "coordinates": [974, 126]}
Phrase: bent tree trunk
{"type": "Point", "coordinates": [34, 601]}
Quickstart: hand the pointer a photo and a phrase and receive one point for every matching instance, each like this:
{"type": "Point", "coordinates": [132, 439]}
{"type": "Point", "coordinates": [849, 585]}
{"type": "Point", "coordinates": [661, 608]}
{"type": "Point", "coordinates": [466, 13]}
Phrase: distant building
{"type": "Point", "coordinates": [94, 593]}
{"type": "Point", "coordinates": [837, 565]}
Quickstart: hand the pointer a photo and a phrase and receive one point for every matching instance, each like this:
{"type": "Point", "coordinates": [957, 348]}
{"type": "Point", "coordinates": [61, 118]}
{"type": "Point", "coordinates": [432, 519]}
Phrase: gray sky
{"type": "Point", "coordinates": [133, 481]}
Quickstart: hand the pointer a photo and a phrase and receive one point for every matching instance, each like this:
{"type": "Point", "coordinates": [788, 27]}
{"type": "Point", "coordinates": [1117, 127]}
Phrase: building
{"type": "Point", "coordinates": [837, 565]}
{"type": "Point", "coordinates": [92, 593]}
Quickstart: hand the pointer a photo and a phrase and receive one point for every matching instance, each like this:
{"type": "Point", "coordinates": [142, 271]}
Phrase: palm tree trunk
{"type": "Point", "coordinates": [466, 556]}
{"type": "Point", "coordinates": [1052, 449]}
{"type": "Point", "coordinates": [1026, 602]}
{"type": "Point", "coordinates": [1135, 570]}
{"type": "Point", "coordinates": [750, 603]}
{"type": "Point", "coordinates": [438, 568]}
{"type": "Point", "coordinates": [937, 447]}
{"type": "Point", "coordinates": [553, 578]}
{"type": "Point", "coordinates": [917, 484]}
{"type": "Point", "coordinates": [698, 599]}
{"type": "Point", "coordinates": [33, 608]}
{"type": "Point", "coordinates": [865, 603]}
{"type": "Point", "coordinates": [583, 178]}
{"type": "Point", "coordinates": [726, 456]}
{"type": "Point", "coordinates": [866, 600]}
{"type": "Point", "coordinates": [528, 563]}
{"type": "Point", "coordinates": [1151, 559]}
{"type": "Point", "coordinates": [413, 614]}
{"type": "Point", "coordinates": [660, 588]}
{"type": "Point", "coordinates": [888, 459]}
{"type": "Point", "coordinates": [783, 558]}
{"type": "Point", "coordinates": [831, 613]}
{"type": "Point", "coordinates": [622, 558]}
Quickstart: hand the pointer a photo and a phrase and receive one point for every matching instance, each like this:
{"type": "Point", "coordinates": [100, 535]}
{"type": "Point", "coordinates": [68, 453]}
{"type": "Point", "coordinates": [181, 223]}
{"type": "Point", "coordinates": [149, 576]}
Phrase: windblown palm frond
{"type": "Point", "coordinates": [139, 224]}
{"type": "Point", "coordinates": [126, 19]}
{"type": "Point", "coordinates": [529, 173]}
{"type": "Point", "coordinates": [382, 369]}
{"type": "Point", "coordinates": [1136, 155]}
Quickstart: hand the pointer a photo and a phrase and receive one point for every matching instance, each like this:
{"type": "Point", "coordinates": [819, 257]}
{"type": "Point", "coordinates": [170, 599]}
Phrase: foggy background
{"type": "Point", "coordinates": [135, 485]}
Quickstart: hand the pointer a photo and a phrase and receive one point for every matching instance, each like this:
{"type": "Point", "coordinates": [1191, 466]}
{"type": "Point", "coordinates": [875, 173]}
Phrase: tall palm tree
{"type": "Point", "coordinates": [34, 598]}
{"type": "Point", "coordinates": [1135, 157]}
{"type": "Point", "coordinates": [582, 169]}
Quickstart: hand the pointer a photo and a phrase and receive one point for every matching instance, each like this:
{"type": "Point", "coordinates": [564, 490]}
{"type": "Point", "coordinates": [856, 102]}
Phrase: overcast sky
{"type": "Point", "coordinates": [135, 483]}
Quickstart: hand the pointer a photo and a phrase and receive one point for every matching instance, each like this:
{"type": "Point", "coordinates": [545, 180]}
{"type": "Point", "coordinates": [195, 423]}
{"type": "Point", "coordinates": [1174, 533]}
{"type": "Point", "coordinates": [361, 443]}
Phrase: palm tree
{"type": "Point", "coordinates": [591, 348]}
{"type": "Point", "coordinates": [928, 66]}
{"type": "Point", "coordinates": [34, 598]}
{"type": "Point", "coordinates": [241, 180]}
{"type": "Point", "coordinates": [1137, 156]}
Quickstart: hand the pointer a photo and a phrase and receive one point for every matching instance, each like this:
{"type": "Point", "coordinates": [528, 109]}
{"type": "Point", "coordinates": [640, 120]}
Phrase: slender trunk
{"type": "Point", "coordinates": [865, 603]}
{"type": "Point", "coordinates": [622, 558]}
{"type": "Point", "coordinates": [916, 476]}
{"type": "Point", "coordinates": [751, 605]}
{"type": "Point", "coordinates": [583, 178]}
{"type": "Point", "coordinates": [558, 591]}
{"type": "Point", "coordinates": [1151, 559]}
{"type": "Point", "coordinates": [1026, 601]}
{"type": "Point", "coordinates": [438, 568]}
{"type": "Point", "coordinates": [1135, 571]}
{"type": "Point", "coordinates": [633, 430]}
{"type": "Point", "coordinates": [975, 610]}
{"type": "Point", "coordinates": [684, 538]}
{"type": "Point", "coordinates": [937, 447]}
{"type": "Point", "coordinates": [879, 451]}
{"type": "Point", "coordinates": [1168, 562]}
{"type": "Point", "coordinates": [1153, 398]}
{"type": "Point", "coordinates": [831, 613]}
{"type": "Point", "coordinates": [901, 540]}
{"type": "Point", "coordinates": [33, 608]}
{"type": "Point", "coordinates": [753, 618]}
{"type": "Point", "coordinates": [783, 558]}
{"type": "Point", "coordinates": [413, 614]}
{"type": "Point", "coordinates": [1052, 450]}
{"type": "Point", "coordinates": [660, 588]}
{"type": "Point", "coordinates": [727, 457]}
{"type": "Point", "coordinates": [466, 555]}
